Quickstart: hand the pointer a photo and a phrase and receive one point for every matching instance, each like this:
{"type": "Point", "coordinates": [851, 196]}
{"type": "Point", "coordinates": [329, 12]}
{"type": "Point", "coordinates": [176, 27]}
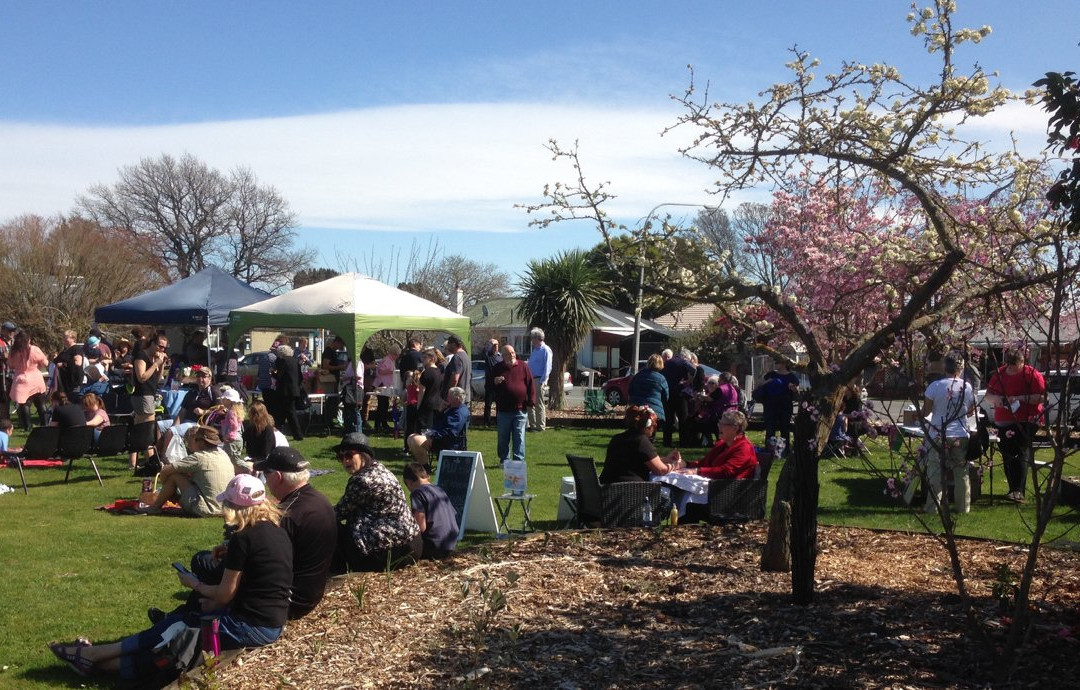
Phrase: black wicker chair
{"type": "Point", "coordinates": [741, 500]}
{"type": "Point", "coordinates": [588, 499]}
{"type": "Point", "coordinates": [623, 503]}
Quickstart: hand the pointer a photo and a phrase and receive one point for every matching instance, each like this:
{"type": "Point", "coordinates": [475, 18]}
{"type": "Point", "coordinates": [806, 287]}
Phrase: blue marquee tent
{"type": "Point", "coordinates": [204, 299]}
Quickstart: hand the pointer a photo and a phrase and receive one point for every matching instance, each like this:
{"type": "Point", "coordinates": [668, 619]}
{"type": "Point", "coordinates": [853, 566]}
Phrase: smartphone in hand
{"type": "Point", "coordinates": [180, 568]}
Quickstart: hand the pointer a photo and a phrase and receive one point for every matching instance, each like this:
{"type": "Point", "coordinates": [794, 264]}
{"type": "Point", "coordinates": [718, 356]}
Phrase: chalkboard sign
{"type": "Point", "coordinates": [455, 478]}
{"type": "Point", "coordinates": [461, 475]}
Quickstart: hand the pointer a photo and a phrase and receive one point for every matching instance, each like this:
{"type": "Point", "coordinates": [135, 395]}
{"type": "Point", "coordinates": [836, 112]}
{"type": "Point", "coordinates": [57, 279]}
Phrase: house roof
{"type": "Point", "coordinates": [501, 313]}
{"type": "Point", "coordinates": [689, 319]}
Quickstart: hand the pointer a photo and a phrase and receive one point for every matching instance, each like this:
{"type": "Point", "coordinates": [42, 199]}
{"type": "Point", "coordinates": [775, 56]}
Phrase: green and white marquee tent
{"type": "Point", "coordinates": [351, 305]}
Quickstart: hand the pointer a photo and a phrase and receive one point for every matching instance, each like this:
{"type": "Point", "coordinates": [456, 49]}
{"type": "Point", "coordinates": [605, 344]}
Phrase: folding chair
{"type": "Point", "coordinates": [41, 444]}
{"type": "Point", "coordinates": [588, 498]}
{"type": "Point", "coordinates": [595, 404]}
{"type": "Point", "coordinates": [76, 443]}
{"type": "Point", "coordinates": [112, 442]}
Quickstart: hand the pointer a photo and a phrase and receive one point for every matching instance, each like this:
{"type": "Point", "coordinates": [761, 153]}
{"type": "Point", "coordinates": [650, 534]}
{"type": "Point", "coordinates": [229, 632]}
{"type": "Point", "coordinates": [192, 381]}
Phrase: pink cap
{"type": "Point", "coordinates": [244, 490]}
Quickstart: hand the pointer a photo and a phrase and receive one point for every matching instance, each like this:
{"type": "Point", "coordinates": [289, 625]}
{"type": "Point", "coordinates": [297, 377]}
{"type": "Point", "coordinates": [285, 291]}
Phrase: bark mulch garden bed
{"type": "Point", "coordinates": [680, 607]}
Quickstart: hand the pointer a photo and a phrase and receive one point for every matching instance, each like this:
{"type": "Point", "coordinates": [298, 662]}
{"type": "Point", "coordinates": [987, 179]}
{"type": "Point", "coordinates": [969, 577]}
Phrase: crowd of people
{"type": "Point", "coordinates": [277, 554]}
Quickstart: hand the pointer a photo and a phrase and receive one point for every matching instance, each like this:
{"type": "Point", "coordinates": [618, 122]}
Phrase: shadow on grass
{"type": "Point", "coordinates": [866, 492]}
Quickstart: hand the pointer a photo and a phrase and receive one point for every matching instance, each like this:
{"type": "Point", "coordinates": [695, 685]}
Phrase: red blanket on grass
{"type": "Point", "coordinates": [36, 463]}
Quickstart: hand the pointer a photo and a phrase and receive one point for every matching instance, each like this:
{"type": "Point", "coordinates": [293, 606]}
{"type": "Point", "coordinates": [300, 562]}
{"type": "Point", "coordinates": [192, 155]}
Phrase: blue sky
{"type": "Point", "coordinates": [386, 123]}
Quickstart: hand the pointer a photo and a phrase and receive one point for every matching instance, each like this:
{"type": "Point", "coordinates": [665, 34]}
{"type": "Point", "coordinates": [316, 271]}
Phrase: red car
{"type": "Point", "coordinates": [617, 390]}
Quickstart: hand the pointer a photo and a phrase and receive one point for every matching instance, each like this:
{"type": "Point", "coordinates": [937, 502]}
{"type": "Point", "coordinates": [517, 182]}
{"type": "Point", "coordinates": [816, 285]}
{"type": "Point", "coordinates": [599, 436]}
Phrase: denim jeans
{"type": "Point", "coordinates": [511, 430]}
{"type": "Point", "coordinates": [138, 659]}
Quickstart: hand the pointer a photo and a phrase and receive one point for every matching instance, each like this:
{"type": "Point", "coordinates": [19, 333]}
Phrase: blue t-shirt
{"type": "Point", "coordinates": [4, 438]}
{"type": "Point", "coordinates": [442, 526]}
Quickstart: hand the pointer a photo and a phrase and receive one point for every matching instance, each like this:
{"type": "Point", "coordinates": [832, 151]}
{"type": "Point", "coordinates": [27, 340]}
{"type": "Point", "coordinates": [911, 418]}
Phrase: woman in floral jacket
{"type": "Point", "coordinates": [379, 530]}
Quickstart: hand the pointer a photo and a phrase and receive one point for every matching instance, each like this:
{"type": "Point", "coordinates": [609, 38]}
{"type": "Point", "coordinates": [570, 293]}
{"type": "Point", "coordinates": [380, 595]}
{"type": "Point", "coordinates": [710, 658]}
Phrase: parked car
{"type": "Point", "coordinates": [478, 379]}
{"type": "Point", "coordinates": [247, 368]}
{"type": "Point", "coordinates": [1055, 387]}
{"type": "Point", "coordinates": [617, 390]}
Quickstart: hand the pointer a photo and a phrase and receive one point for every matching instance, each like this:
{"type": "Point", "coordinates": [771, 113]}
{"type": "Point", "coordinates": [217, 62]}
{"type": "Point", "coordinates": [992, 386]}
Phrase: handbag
{"type": "Point", "coordinates": [979, 442]}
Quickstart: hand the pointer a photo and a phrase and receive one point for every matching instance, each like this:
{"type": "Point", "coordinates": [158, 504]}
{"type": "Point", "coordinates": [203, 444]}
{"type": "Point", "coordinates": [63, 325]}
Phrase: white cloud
{"type": "Point", "coordinates": [420, 167]}
{"type": "Point", "coordinates": [410, 167]}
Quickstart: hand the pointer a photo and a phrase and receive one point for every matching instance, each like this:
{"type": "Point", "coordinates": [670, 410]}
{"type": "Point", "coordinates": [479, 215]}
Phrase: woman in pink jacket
{"type": "Point", "coordinates": [28, 385]}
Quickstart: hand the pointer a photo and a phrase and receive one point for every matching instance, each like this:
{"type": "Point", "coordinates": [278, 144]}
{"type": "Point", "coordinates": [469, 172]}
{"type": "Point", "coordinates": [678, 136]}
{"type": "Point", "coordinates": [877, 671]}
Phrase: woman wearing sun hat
{"type": "Point", "coordinates": [376, 526]}
{"type": "Point", "coordinates": [252, 599]}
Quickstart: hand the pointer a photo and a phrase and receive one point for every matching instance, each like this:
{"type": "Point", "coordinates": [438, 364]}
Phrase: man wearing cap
{"type": "Point", "coordinates": [458, 371]}
{"type": "Point", "coordinates": [7, 335]}
{"type": "Point", "coordinates": [309, 521]}
{"type": "Point", "coordinates": [200, 399]}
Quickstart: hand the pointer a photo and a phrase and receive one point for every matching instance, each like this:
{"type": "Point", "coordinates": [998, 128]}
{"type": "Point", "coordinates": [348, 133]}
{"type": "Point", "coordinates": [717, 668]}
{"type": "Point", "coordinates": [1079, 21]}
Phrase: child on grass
{"type": "Point", "coordinates": [433, 512]}
{"type": "Point", "coordinates": [231, 427]}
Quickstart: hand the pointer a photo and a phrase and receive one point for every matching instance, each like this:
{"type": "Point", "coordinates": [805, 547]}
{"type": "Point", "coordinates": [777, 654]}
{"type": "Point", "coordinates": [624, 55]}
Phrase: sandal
{"type": "Point", "coordinates": [79, 664]}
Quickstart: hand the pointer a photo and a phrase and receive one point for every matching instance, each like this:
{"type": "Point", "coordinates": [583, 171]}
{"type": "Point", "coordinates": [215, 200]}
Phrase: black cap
{"type": "Point", "coordinates": [283, 459]}
{"type": "Point", "coordinates": [8, 326]}
{"type": "Point", "coordinates": [354, 441]}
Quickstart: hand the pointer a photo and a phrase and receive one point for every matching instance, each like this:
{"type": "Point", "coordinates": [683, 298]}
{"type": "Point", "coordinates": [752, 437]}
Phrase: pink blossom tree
{"type": "Point", "coordinates": [886, 219]}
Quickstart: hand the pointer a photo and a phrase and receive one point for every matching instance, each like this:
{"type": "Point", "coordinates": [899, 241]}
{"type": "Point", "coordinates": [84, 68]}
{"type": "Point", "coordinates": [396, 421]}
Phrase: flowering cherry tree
{"type": "Point", "coordinates": [886, 218]}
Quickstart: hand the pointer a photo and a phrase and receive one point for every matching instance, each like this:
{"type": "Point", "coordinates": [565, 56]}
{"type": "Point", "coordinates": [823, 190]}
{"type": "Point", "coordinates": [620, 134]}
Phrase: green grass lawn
{"type": "Point", "coordinates": [71, 570]}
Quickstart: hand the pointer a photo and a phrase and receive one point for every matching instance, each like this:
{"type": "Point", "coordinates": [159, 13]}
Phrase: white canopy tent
{"type": "Point", "coordinates": [351, 305]}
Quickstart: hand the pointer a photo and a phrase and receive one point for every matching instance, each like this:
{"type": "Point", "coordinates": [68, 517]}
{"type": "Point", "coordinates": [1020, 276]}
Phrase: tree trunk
{"type": "Point", "coordinates": [555, 389]}
{"type": "Point", "coordinates": [776, 554]}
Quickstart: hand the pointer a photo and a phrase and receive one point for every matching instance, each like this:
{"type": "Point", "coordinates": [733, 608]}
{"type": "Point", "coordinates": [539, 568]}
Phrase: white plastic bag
{"type": "Point", "coordinates": [177, 449]}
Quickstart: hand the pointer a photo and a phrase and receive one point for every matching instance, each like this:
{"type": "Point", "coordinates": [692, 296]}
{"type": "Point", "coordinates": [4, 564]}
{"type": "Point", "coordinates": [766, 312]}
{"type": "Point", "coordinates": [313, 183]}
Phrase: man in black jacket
{"type": "Point", "coordinates": [286, 373]}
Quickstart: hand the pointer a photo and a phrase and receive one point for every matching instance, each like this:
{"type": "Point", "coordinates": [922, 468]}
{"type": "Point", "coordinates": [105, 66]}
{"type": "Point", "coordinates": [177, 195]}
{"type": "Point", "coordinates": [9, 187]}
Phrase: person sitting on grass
{"type": "Point", "coordinates": [308, 520]}
{"type": "Point", "coordinates": [448, 433]}
{"type": "Point", "coordinates": [258, 432]}
{"type": "Point", "coordinates": [433, 512]}
{"type": "Point", "coordinates": [376, 529]}
{"type": "Point", "coordinates": [195, 481]}
{"type": "Point", "coordinates": [252, 597]}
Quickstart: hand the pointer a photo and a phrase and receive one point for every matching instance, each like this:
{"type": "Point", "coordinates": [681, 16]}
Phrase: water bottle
{"type": "Point", "coordinates": [209, 636]}
{"type": "Point", "coordinates": [646, 513]}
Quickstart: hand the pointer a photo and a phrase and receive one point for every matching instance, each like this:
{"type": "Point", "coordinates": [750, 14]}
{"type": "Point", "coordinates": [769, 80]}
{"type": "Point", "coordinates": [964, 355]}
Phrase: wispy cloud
{"type": "Point", "coordinates": [418, 167]}
{"type": "Point", "coordinates": [457, 167]}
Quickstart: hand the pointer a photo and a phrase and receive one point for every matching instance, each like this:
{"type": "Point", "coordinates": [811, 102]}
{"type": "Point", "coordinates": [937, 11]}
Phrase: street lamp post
{"type": "Point", "coordinates": [645, 223]}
